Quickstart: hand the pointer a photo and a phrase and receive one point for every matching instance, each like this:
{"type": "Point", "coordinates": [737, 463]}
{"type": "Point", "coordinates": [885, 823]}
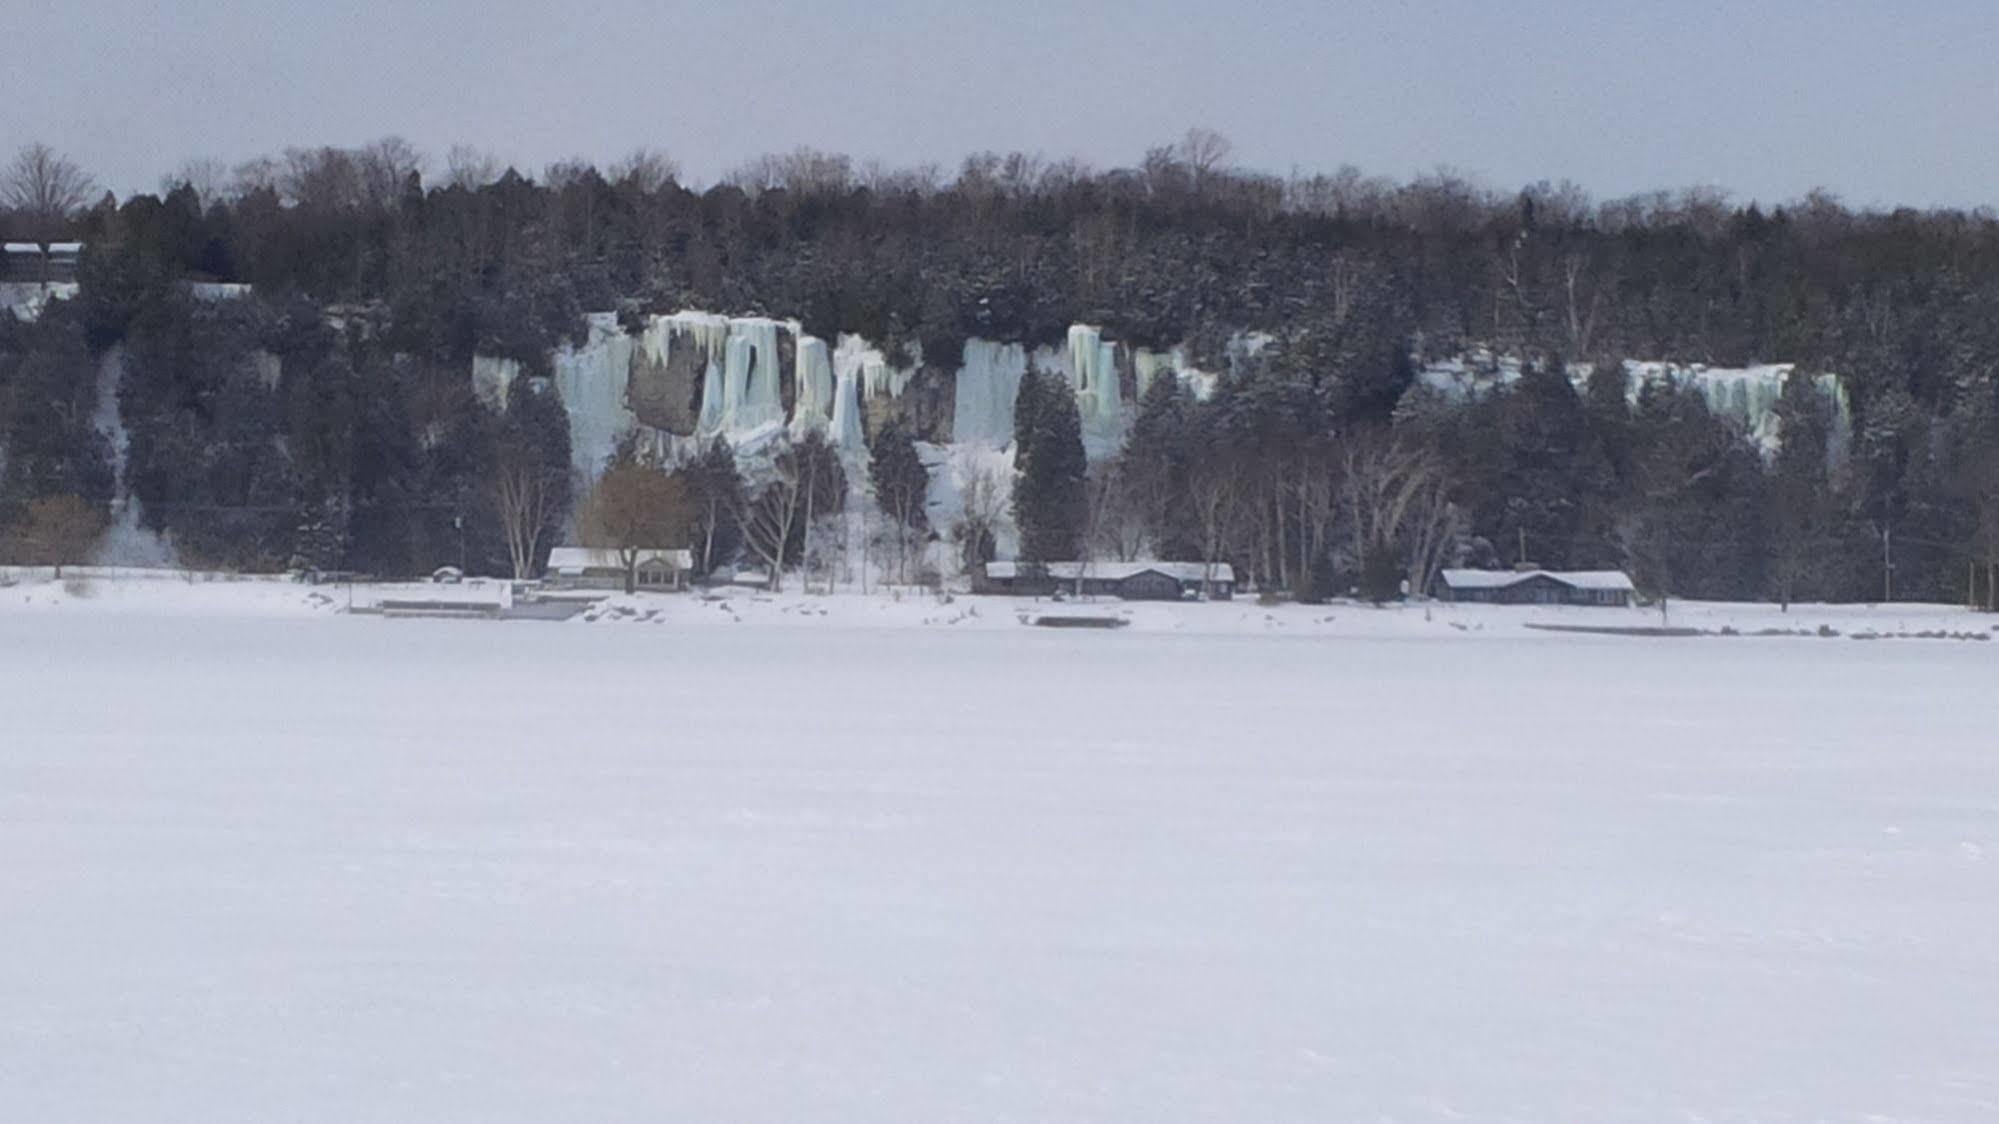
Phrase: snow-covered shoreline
{"type": "Point", "coordinates": [162, 592]}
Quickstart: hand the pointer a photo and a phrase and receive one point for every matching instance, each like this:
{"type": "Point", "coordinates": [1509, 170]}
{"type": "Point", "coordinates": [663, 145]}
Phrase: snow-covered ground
{"type": "Point", "coordinates": [869, 860]}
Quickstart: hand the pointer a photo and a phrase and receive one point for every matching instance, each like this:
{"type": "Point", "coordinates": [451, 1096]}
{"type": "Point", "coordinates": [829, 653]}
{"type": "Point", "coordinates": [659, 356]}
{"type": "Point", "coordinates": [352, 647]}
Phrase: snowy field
{"type": "Point", "coordinates": [846, 860]}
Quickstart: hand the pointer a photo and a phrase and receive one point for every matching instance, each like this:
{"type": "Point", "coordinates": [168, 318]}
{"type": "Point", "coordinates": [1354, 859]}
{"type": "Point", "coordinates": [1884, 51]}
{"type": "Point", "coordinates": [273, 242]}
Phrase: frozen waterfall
{"type": "Point", "coordinates": [814, 408]}
{"type": "Point", "coordinates": [618, 385]}
{"type": "Point", "coordinates": [1093, 371]}
{"type": "Point", "coordinates": [126, 542]}
{"type": "Point", "coordinates": [751, 398]}
{"type": "Point", "coordinates": [591, 381]}
{"type": "Point", "coordinates": [988, 382]}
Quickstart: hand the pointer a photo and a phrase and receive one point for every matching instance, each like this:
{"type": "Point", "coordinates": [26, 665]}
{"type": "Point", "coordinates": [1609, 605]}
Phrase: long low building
{"type": "Point", "coordinates": [586, 567]}
{"type": "Point", "coordinates": [1535, 587]}
{"type": "Point", "coordinates": [1131, 581]}
{"type": "Point", "coordinates": [31, 262]}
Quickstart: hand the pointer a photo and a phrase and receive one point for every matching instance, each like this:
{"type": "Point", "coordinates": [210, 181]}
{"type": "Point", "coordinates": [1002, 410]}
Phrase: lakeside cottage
{"type": "Point", "coordinates": [584, 567]}
{"type": "Point", "coordinates": [1535, 587]}
{"type": "Point", "coordinates": [1129, 581]}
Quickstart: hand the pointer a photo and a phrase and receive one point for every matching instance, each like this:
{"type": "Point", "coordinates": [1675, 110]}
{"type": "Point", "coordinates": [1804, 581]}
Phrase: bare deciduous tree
{"type": "Point", "coordinates": [471, 168]}
{"type": "Point", "coordinates": [806, 479]}
{"type": "Point", "coordinates": [209, 178]}
{"type": "Point", "coordinates": [647, 169]}
{"type": "Point", "coordinates": [977, 530]}
{"type": "Point", "coordinates": [802, 170]}
{"type": "Point", "coordinates": [1205, 152]}
{"type": "Point", "coordinates": [385, 167]}
{"type": "Point", "coordinates": [1435, 524]}
{"type": "Point", "coordinates": [918, 179]}
{"type": "Point", "coordinates": [1114, 520]}
{"type": "Point", "coordinates": [1582, 311]}
{"type": "Point", "coordinates": [1385, 481]}
{"type": "Point", "coordinates": [340, 179]}
{"type": "Point", "coordinates": [262, 173]}
{"type": "Point", "coordinates": [527, 493]}
{"type": "Point", "coordinates": [58, 531]}
{"type": "Point", "coordinates": [1215, 487]}
{"type": "Point", "coordinates": [634, 508]}
{"type": "Point", "coordinates": [44, 188]}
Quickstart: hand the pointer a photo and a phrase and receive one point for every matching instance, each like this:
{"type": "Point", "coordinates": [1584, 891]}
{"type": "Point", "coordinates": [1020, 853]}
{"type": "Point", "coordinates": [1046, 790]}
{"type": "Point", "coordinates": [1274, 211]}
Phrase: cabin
{"type": "Point", "coordinates": [1129, 581]}
{"type": "Point", "coordinates": [1610, 588]}
{"type": "Point", "coordinates": [30, 263]}
{"type": "Point", "coordinates": [585, 567]}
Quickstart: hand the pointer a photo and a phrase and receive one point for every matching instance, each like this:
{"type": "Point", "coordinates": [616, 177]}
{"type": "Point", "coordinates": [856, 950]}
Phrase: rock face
{"type": "Point", "coordinates": [668, 370]}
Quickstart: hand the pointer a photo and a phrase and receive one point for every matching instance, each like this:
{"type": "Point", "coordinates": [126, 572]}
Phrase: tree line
{"type": "Point", "coordinates": [379, 273]}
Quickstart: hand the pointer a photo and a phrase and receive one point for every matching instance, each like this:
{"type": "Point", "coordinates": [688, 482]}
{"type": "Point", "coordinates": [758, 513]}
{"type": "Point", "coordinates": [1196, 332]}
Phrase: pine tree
{"type": "Point", "coordinates": [1799, 498]}
{"type": "Point", "coordinates": [901, 483]}
{"type": "Point", "coordinates": [1154, 466]}
{"type": "Point", "coordinates": [1051, 474]}
{"type": "Point", "coordinates": [1026, 410]}
{"type": "Point", "coordinates": [716, 487]}
{"type": "Point", "coordinates": [900, 479]}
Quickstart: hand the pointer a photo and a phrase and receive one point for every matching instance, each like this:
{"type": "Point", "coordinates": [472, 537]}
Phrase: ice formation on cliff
{"type": "Point", "coordinates": [988, 380]}
{"type": "Point", "coordinates": [1093, 370]}
{"type": "Point", "coordinates": [846, 433]}
{"type": "Point", "coordinates": [1746, 395]}
{"type": "Point", "coordinates": [814, 408]}
{"type": "Point", "coordinates": [591, 380]}
{"type": "Point", "coordinates": [751, 397]}
{"type": "Point", "coordinates": [738, 365]}
{"type": "Point", "coordinates": [492, 378]}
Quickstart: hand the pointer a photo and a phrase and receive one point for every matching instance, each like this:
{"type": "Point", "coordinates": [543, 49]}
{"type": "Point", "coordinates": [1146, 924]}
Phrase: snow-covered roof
{"type": "Point", "coordinates": [1118, 571]}
{"type": "Point", "coordinates": [24, 248]}
{"type": "Point", "coordinates": [577, 559]}
{"type": "Point", "coordinates": [1607, 580]}
{"type": "Point", "coordinates": [71, 248]}
{"type": "Point", "coordinates": [217, 290]}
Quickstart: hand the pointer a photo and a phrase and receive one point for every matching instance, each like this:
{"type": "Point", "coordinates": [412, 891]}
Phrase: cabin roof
{"type": "Point", "coordinates": [1118, 571]}
{"type": "Point", "coordinates": [1595, 580]}
{"type": "Point", "coordinates": [577, 559]}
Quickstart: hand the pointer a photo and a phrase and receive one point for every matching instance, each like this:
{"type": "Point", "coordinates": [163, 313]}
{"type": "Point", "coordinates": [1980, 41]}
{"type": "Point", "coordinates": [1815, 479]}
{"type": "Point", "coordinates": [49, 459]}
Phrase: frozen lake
{"type": "Point", "coordinates": [333, 869]}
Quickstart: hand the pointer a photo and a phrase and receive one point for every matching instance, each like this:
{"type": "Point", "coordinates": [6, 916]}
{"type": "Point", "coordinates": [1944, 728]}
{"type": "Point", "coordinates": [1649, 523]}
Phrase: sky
{"type": "Point", "coordinates": [1880, 103]}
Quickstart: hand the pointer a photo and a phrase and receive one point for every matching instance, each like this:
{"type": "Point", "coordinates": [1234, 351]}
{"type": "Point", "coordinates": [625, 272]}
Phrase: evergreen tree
{"type": "Point", "coordinates": [1153, 463]}
{"type": "Point", "coordinates": [901, 483]}
{"type": "Point", "coordinates": [48, 395]}
{"type": "Point", "coordinates": [1027, 410]}
{"type": "Point", "coordinates": [1553, 472]}
{"type": "Point", "coordinates": [382, 481]}
{"type": "Point", "coordinates": [1800, 499]}
{"type": "Point", "coordinates": [715, 488]}
{"type": "Point", "coordinates": [1050, 478]}
{"type": "Point", "coordinates": [900, 479]}
{"type": "Point", "coordinates": [1694, 523]}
